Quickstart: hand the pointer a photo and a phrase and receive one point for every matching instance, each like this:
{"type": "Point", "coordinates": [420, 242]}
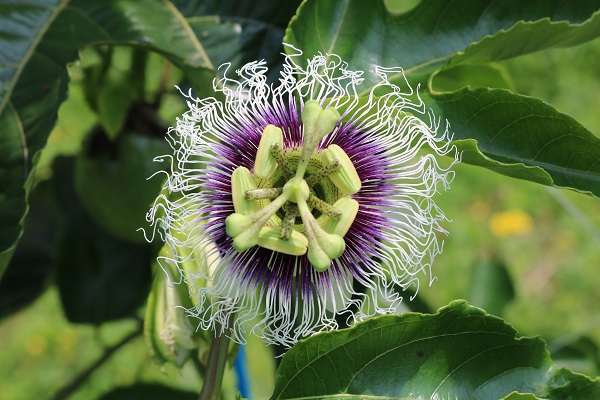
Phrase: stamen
{"type": "Point", "coordinates": [345, 177]}
{"type": "Point", "coordinates": [242, 181]}
{"type": "Point", "coordinates": [340, 226]}
{"type": "Point", "coordinates": [323, 173]}
{"type": "Point", "coordinates": [325, 208]}
{"type": "Point", "coordinates": [322, 246]}
{"type": "Point", "coordinates": [244, 229]}
{"type": "Point", "coordinates": [264, 193]}
{"type": "Point", "coordinates": [265, 163]}
{"type": "Point", "coordinates": [317, 124]}
{"type": "Point", "coordinates": [270, 238]}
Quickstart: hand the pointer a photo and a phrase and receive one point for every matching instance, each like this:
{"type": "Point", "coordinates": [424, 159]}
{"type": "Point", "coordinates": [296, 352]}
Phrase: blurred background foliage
{"type": "Point", "coordinates": [522, 251]}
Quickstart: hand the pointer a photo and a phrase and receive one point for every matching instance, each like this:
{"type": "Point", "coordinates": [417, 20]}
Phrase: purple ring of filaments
{"type": "Point", "coordinates": [251, 268]}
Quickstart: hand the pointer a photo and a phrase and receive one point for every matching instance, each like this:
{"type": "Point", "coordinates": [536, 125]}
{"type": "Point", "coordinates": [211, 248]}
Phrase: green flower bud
{"type": "Point", "coordinates": [169, 334]}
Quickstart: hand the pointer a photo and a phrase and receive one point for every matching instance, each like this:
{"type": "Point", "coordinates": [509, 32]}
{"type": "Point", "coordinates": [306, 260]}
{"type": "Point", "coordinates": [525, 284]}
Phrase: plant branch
{"type": "Point", "coordinates": [215, 367]}
{"type": "Point", "coordinates": [72, 386]}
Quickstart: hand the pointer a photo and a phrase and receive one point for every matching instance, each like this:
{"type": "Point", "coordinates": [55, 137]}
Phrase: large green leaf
{"type": "Point", "coordinates": [113, 186]}
{"type": "Point", "coordinates": [239, 32]}
{"type": "Point", "coordinates": [510, 134]}
{"type": "Point", "coordinates": [461, 352]}
{"type": "Point", "coordinates": [39, 39]}
{"type": "Point", "coordinates": [522, 137]}
{"type": "Point", "coordinates": [437, 33]}
{"type": "Point", "coordinates": [99, 277]}
{"type": "Point", "coordinates": [21, 28]}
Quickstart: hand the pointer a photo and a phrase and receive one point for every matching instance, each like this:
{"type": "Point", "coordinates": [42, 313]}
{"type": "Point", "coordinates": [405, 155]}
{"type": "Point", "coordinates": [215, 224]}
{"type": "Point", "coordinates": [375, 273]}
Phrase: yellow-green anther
{"type": "Point", "coordinates": [265, 163]}
{"type": "Point", "coordinates": [333, 245]}
{"type": "Point", "coordinates": [325, 208]}
{"type": "Point", "coordinates": [317, 124]}
{"type": "Point", "coordinates": [270, 238]}
{"type": "Point", "coordinates": [345, 178]}
{"type": "Point", "coordinates": [322, 173]}
{"type": "Point", "coordinates": [244, 229]}
{"type": "Point", "coordinates": [264, 193]}
{"type": "Point", "coordinates": [288, 220]}
{"type": "Point", "coordinates": [241, 182]}
{"type": "Point", "coordinates": [237, 223]}
{"type": "Point", "coordinates": [348, 208]}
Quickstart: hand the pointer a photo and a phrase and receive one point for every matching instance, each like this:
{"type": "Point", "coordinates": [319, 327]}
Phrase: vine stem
{"type": "Point", "coordinates": [215, 367]}
{"type": "Point", "coordinates": [72, 386]}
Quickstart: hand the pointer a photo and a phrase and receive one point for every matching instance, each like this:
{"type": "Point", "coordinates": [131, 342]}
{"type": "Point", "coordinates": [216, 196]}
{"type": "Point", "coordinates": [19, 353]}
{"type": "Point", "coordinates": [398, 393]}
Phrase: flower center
{"type": "Point", "coordinates": [297, 201]}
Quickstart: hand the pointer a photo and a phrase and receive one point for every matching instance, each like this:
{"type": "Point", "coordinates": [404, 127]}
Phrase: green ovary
{"type": "Point", "coordinates": [295, 203]}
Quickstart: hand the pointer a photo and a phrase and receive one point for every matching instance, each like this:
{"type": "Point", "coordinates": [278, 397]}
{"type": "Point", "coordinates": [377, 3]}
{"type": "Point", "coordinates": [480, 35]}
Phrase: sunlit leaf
{"type": "Point", "coordinates": [510, 134]}
{"type": "Point", "coordinates": [460, 352]}
{"type": "Point", "coordinates": [436, 34]}
{"type": "Point", "coordinates": [522, 137]}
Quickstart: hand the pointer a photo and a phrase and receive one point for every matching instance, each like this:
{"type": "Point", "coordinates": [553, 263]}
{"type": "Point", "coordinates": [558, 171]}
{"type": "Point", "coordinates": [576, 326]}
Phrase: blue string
{"type": "Point", "coordinates": [241, 370]}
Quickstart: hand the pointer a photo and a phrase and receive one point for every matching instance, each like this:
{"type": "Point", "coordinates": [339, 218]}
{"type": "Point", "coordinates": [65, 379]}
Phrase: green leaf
{"type": "Point", "coordinates": [474, 76]}
{"type": "Point", "coordinates": [241, 32]}
{"type": "Point", "coordinates": [99, 277]}
{"type": "Point", "coordinates": [113, 182]}
{"type": "Point", "coordinates": [436, 34]}
{"type": "Point", "coordinates": [566, 385]}
{"type": "Point", "coordinates": [30, 269]}
{"type": "Point", "coordinates": [491, 287]}
{"type": "Point", "coordinates": [522, 137]}
{"type": "Point", "coordinates": [520, 396]}
{"type": "Point", "coordinates": [43, 36]}
{"type": "Point", "coordinates": [460, 352]}
{"type": "Point", "coordinates": [27, 107]}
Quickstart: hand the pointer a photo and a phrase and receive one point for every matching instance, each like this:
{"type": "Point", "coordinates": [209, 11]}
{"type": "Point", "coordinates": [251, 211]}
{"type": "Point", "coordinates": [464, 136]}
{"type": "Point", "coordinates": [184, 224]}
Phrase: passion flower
{"type": "Point", "coordinates": [301, 201]}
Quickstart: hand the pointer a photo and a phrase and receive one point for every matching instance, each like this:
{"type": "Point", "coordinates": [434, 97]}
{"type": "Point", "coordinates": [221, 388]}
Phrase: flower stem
{"type": "Point", "coordinates": [215, 367]}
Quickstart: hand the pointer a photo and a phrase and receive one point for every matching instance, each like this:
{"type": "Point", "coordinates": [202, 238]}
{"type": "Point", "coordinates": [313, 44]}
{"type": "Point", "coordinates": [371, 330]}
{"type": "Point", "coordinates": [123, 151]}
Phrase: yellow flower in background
{"type": "Point", "coordinates": [510, 223]}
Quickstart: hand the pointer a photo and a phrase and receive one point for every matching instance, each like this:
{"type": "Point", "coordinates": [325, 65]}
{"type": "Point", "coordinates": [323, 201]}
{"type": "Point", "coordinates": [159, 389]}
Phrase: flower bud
{"type": "Point", "coordinates": [169, 334]}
